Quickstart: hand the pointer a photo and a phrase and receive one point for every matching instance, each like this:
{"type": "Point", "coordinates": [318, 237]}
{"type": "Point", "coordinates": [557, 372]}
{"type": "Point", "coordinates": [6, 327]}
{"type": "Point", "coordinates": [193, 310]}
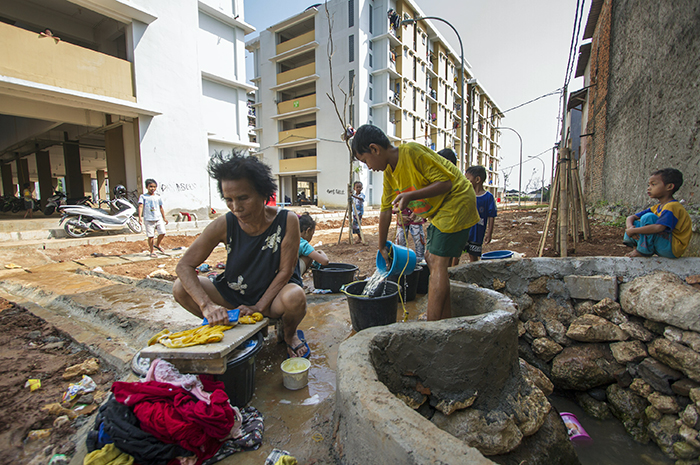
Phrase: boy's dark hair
{"type": "Point", "coordinates": [368, 134]}
{"type": "Point", "coordinates": [477, 171]}
{"type": "Point", "coordinates": [150, 181]}
{"type": "Point", "coordinates": [449, 155]}
{"type": "Point", "coordinates": [356, 183]}
{"type": "Point", "coordinates": [670, 176]}
{"type": "Point", "coordinates": [306, 222]}
{"type": "Point", "coordinates": [239, 166]}
{"type": "Point", "coordinates": [25, 185]}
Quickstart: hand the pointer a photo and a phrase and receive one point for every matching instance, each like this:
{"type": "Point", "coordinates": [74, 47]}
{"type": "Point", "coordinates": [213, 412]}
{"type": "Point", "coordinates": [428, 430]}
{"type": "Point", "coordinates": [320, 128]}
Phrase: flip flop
{"type": "Point", "coordinates": [159, 248]}
{"type": "Point", "coordinates": [300, 335]}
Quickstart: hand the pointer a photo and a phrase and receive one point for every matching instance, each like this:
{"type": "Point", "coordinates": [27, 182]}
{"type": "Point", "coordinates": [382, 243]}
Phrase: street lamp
{"type": "Point", "coordinates": [461, 51]}
{"type": "Point", "coordinates": [520, 173]}
{"type": "Point", "coordinates": [537, 157]}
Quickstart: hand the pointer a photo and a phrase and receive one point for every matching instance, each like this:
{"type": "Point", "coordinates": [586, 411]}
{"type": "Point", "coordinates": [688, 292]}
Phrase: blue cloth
{"type": "Point", "coordinates": [486, 206]}
{"type": "Point", "coordinates": [304, 248]}
{"type": "Point", "coordinates": [650, 244]}
{"type": "Point", "coordinates": [151, 207]}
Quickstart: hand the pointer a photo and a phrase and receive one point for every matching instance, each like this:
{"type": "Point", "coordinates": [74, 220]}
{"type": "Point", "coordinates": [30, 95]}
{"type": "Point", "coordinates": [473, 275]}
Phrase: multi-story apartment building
{"type": "Point", "coordinates": [107, 92]}
{"type": "Point", "coordinates": [405, 79]}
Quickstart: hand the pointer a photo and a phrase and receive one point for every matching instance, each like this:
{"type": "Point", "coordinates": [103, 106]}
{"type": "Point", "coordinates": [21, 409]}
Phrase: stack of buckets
{"type": "Point", "coordinates": [368, 311]}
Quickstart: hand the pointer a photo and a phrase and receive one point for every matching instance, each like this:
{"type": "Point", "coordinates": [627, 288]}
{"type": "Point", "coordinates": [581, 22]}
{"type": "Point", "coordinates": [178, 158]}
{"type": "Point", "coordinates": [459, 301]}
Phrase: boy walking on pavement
{"type": "Point", "coordinates": [665, 228]}
{"type": "Point", "coordinates": [152, 216]}
{"type": "Point", "coordinates": [415, 177]}
{"type": "Point", "coordinates": [486, 206]}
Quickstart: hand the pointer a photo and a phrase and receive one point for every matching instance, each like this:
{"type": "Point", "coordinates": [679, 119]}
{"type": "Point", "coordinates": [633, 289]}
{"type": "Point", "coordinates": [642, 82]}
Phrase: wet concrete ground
{"type": "Point", "coordinates": [116, 319]}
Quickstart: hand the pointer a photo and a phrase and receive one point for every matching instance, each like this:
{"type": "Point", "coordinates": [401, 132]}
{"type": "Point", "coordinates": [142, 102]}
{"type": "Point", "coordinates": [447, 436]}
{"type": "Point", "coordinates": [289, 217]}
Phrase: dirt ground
{"type": "Point", "coordinates": [43, 353]}
{"type": "Point", "coordinates": [519, 231]}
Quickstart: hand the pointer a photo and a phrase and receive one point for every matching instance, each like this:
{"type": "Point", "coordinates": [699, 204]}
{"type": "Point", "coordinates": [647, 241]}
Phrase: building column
{"type": "Point", "coordinates": [114, 150]}
{"type": "Point", "coordinates": [43, 168]}
{"type": "Point", "coordinates": [101, 189]}
{"type": "Point", "coordinates": [87, 184]}
{"type": "Point", "coordinates": [8, 187]}
{"type": "Point", "coordinates": [74, 175]}
{"type": "Point", "coordinates": [22, 172]}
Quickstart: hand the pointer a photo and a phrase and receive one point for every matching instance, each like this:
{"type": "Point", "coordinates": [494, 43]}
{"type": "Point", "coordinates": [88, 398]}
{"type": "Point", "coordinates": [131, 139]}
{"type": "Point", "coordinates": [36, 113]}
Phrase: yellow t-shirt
{"type": "Point", "coordinates": [683, 227]}
{"type": "Point", "coordinates": [419, 167]}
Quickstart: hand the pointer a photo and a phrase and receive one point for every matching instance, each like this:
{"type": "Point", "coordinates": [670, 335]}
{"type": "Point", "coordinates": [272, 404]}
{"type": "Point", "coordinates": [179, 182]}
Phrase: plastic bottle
{"type": "Point", "coordinates": [232, 317]}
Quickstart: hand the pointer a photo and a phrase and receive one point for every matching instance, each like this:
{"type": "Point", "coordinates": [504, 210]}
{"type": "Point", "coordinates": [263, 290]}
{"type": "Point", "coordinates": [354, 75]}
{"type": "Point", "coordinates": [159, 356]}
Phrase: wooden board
{"type": "Point", "coordinates": [217, 350]}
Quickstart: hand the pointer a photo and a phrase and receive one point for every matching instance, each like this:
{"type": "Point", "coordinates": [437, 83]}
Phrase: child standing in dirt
{"type": "Point", "coordinates": [308, 256]}
{"type": "Point", "coordinates": [415, 177]}
{"type": "Point", "coordinates": [665, 228]}
{"type": "Point", "coordinates": [28, 199]}
{"type": "Point", "coordinates": [152, 216]}
{"type": "Point", "coordinates": [408, 222]}
{"type": "Point", "coordinates": [359, 202]}
{"type": "Point", "coordinates": [486, 205]}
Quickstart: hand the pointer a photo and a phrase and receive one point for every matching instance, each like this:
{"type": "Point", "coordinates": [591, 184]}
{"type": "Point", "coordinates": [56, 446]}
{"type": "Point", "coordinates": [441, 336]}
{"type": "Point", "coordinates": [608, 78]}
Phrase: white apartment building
{"type": "Point", "coordinates": [107, 92]}
{"type": "Point", "coordinates": [406, 81]}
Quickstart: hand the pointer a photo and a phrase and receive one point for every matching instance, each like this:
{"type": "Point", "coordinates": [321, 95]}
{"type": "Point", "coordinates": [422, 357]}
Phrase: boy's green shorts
{"type": "Point", "coordinates": [446, 244]}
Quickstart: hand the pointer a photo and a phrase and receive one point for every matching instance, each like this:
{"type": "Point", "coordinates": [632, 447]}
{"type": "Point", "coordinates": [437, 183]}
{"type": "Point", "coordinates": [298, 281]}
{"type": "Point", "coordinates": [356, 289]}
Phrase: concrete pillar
{"type": "Point", "coordinates": [8, 187]}
{"type": "Point", "coordinates": [87, 184]}
{"type": "Point", "coordinates": [43, 168]}
{"type": "Point", "coordinates": [22, 172]}
{"type": "Point", "coordinates": [74, 175]}
{"type": "Point", "coordinates": [101, 189]}
{"type": "Point", "coordinates": [114, 149]}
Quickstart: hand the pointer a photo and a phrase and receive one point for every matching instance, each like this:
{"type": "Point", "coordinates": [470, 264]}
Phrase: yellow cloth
{"type": "Point", "coordinates": [250, 319]}
{"type": "Point", "coordinates": [419, 167]}
{"type": "Point", "coordinates": [286, 460]}
{"type": "Point", "coordinates": [108, 455]}
{"type": "Point", "coordinates": [192, 337]}
{"type": "Point", "coordinates": [683, 230]}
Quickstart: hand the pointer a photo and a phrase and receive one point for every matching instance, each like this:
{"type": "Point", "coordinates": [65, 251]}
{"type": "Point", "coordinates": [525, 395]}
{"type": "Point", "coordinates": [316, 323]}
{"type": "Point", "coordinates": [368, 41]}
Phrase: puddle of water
{"type": "Point", "coordinates": [610, 445]}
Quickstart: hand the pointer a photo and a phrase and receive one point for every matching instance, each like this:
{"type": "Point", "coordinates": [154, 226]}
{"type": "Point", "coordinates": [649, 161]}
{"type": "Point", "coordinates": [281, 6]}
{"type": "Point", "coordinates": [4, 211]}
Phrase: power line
{"type": "Point", "coordinates": [557, 91]}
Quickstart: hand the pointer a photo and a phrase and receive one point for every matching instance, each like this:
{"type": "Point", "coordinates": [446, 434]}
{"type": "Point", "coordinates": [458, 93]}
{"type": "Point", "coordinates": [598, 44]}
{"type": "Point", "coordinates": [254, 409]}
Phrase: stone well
{"type": "Point", "coordinates": [447, 392]}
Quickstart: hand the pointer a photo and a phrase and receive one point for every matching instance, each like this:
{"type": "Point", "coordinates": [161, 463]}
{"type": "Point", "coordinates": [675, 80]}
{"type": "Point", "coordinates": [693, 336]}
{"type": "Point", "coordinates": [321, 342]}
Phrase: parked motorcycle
{"type": "Point", "coordinates": [59, 198]}
{"type": "Point", "coordinates": [80, 219]}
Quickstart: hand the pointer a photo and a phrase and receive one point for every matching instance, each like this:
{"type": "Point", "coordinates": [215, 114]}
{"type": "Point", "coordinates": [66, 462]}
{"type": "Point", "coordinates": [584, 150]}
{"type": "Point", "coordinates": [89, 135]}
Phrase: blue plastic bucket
{"type": "Point", "coordinates": [400, 257]}
{"type": "Point", "coordinates": [496, 255]}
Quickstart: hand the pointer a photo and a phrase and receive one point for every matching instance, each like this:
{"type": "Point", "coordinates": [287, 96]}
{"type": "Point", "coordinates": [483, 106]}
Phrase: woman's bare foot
{"type": "Point", "coordinates": [635, 253]}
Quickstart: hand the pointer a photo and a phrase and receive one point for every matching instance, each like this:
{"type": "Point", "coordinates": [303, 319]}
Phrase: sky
{"type": "Point", "coordinates": [518, 51]}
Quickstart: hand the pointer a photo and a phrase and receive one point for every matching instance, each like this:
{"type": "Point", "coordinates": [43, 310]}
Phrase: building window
{"type": "Point", "coordinates": [351, 48]}
{"type": "Point", "coordinates": [370, 60]}
{"type": "Point", "coordinates": [351, 13]}
{"type": "Point", "coordinates": [370, 111]}
{"type": "Point", "coordinates": [370, 94]}
{"type": "Point", "coordinates": [424, 39]}
{"type": "Point", "coordinates": [371, 21]}
{"type": "Point", "coordinates": [370, 79]}
{"type": "Point", "coordinates": [370, 45]}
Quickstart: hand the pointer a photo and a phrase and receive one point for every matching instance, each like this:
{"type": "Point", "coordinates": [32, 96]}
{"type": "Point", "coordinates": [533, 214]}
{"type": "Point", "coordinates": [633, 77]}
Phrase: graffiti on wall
{"type": "Point", "coordinates": [178, 187]}
{"type": "Point", "coordinates": [335, 191]}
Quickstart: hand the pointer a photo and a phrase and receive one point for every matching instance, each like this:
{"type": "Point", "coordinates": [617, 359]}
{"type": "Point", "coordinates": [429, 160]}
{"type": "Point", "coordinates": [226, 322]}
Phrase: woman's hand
{"type": "Point", "coordinates": [215, 314]}
{"type": "Point", "coordinates": [248, 310]}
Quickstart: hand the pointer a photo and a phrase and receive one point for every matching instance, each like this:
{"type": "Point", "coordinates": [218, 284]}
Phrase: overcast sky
{"type": "Point", "coordinates": [518, 51]}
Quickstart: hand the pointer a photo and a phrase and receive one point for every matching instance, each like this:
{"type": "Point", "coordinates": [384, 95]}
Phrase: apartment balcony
{"type": "Point", "coordinates": [26, 56]}
{"type": "Point", "coordinates": [297, 105]}
{"type": "Point", "coordinates": [297, 135]}
{"type": "Point", "coordinates": [296, 42]}
{"type": "Point", "coordinates": [296, 74]}
{"type": "Point", "coordinates": [297, 165]}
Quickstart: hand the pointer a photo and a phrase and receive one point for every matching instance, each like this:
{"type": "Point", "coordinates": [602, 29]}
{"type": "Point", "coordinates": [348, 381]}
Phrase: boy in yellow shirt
{"type": "Point", "coordinates": [665, 228]}
{"type": "Point", "coordinates": [415, 177]}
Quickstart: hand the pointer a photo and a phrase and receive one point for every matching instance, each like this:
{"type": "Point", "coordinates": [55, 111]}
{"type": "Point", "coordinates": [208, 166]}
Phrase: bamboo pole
{"type": "Point", "coordinates": [553, 198]}
{"type": "Point", "coordinates": [574, 211]}
{"type": "Point", "coordinates": [564, 203]}
{"type": "Point", "coordinates": [585, 224]}
{"type": "Point", "coordinates": [342, 225]}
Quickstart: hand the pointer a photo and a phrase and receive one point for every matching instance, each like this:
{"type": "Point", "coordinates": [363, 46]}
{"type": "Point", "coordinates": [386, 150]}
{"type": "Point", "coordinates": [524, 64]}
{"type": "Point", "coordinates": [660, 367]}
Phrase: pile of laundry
{"type": "Point", "coordinates": [170, 418]}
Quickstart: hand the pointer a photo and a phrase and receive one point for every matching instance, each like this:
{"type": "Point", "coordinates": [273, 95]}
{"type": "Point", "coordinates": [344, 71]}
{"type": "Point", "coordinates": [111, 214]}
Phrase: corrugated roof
{"type": "Point", "coordinates": [584, 54]}
{"type": "Point", "coordinates": [577, 98]}
{"type": "Point", "coordinates": [593, 15]}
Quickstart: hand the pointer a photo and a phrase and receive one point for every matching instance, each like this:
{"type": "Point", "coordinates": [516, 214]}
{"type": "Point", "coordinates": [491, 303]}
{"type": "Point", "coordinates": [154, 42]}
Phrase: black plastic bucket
{"type": "Point", "coordinates": [423, 280]}
{"type": "Point", "coordinates": [408, 284]}
{"type": "Point", "coordinates": [365, 311]}
{"type": "Point", "coordinates": [239, 378]}
{"type": "Point", "coordinates": [334, 275]}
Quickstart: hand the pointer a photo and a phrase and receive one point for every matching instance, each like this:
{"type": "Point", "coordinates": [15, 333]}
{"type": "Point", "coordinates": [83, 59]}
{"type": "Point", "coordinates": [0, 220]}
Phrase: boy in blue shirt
{"type": "Point", "coordinates": [665, 228]}
{"type": "Point", "coordinates": [482, 231]}
{"type": "Point", "coordinates": [307, 254]}
{"type": "Point", "coordinates": [152, 216]}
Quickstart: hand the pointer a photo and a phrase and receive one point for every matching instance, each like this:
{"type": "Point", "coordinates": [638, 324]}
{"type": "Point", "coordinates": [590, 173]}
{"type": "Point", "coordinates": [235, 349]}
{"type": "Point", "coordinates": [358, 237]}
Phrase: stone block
{"type": "Point", "coordinates": [637, 331]}
{"type": "Point", "coordinates": [538, 286]}
{"type": "Point", "coordinates": [592, 328]}
{"type": "Point", "coordinates": [664, 433]}
{"type": "Point", "coordinates": [673, 334]}
{"type": "Point", "coordinates": [657, 375]}
{"type": "Point", "coordinates": [691, 339]}
{"type": "Point", "coordinates": [628, 351]}
{"type": "Point", "coordinates": [662, 403]}
{"type": "Point", "coordinates": [593, 407]}
{"type": "Point", "coordinates": [623, 378]}
{"type": "Point", "coordinates": [536, 329]}
{"type": "Point", "coordinates": [610, 310]}
{"type": "Point", "coordinates": [628, 407]}
{"type": "Point", "coordinates": [536, 376]}
{"type": "Point", "coordinates": [683, 387]}
{"type": "Point", "coordinates": [584, 367]}
{"type": "Point", "coordinates": [690, 416]}
{"type": "Point", "coordinates": [591, 287]}
{"type": "Point", "coordinates": [545, 348]}
{"type": "Point", "coordinates": [677, 356]}
{"type": "Point", "coordinates": [641, 388]}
